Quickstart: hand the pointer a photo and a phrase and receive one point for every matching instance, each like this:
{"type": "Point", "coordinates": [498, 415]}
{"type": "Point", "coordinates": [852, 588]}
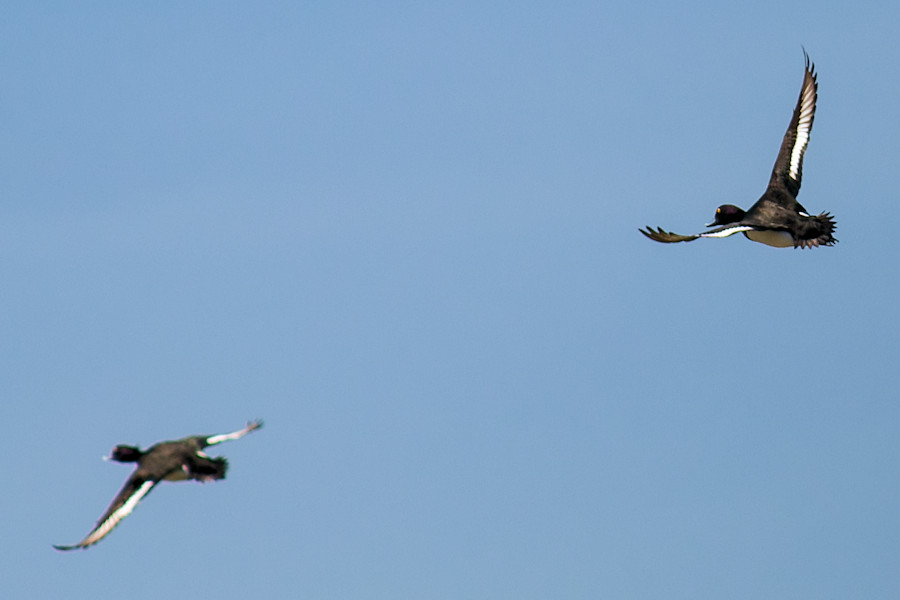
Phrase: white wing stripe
{"type": "Point", "coordinates": [804, 125]}
{"type": "Point", "coordinates": [109, 524]}
{"type": "Point", "coordinates": [234, 435]}
{"type": "Point", "coordinates": [727, 232]}
{"type": "Point", "coordinates": [224, 437]}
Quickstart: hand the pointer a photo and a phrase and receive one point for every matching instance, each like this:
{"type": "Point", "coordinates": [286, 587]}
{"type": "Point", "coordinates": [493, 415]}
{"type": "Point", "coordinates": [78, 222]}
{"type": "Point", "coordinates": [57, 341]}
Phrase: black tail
{"type": "Point", "coordinates": [207, 469]}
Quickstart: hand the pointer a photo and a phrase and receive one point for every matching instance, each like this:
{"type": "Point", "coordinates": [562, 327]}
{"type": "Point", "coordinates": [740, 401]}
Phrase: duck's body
{"type": "Point", "coordinates": [776, 219]}
{"type": "Point", "coordinates": [178, 460]}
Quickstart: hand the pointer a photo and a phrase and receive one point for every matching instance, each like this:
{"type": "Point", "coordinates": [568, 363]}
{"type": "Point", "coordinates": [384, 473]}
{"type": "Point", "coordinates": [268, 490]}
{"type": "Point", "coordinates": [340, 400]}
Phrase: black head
{"type": "Point", "coordinates": [125, 454]}
{"type": "Point", "coordinates": [727, 214]}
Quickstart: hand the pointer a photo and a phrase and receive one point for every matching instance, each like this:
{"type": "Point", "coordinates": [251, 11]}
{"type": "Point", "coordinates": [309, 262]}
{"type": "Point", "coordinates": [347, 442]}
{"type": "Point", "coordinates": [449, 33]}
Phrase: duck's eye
{"type": "Point", "coordinates": [718, 210]}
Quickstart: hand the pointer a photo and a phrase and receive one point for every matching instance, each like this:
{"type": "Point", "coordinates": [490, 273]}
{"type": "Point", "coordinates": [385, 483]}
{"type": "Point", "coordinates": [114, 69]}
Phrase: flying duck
{"type": "Point", "coordinates": [177, 460]}
{"type": "Point", "coordinates": [777, 219]}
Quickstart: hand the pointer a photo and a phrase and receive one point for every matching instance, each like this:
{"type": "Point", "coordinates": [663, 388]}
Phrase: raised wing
{"type": "Point", "coordinates": [788, 170]}
{"type": "Point", "coordinates": [234, 435]}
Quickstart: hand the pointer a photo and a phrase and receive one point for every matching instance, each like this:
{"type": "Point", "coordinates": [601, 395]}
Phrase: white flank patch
{"type": "Point", "coordinates": [776, 239]}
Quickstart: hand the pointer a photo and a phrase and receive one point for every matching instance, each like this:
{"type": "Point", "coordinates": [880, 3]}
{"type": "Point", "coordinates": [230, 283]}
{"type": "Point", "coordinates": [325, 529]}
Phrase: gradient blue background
{"type": "Point", "coordinates": [405, 235]}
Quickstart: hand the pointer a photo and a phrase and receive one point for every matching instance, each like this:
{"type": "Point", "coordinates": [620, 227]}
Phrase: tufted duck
{"type": "Point", "coordinates": [777, 219]}
{"type": "Point", "coordinates": [171, 461]}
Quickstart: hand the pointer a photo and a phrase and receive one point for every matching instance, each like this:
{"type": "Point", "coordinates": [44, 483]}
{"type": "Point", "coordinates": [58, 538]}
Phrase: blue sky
{"type": "Point", "coordinates": [405, 235]}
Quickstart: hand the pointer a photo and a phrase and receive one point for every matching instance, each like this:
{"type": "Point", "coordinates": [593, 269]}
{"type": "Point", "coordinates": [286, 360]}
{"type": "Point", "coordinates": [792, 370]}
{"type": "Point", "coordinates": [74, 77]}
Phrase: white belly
{"type": "Point", "coordinates": [778, 239]}
{"type": "Point", "coordinates": [179, 475]}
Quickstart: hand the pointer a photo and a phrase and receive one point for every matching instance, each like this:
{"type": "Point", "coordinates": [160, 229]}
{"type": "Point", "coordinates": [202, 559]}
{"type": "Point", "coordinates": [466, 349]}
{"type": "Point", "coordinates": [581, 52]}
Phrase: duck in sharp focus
{"type": "Point", "coordinates": [777, 219]}
{"type": "Point", "coordinates": [177, 460]}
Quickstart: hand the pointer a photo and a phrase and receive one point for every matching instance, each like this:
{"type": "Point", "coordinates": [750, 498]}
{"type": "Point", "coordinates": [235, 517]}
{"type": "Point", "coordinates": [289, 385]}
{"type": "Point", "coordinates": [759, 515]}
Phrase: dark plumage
{"type": "Point", "coordinates": [777, 219]}
{"type": "Point", "coordinates": [177, 460]}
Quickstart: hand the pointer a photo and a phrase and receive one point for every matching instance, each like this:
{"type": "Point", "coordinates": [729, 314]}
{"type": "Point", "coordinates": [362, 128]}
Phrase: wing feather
{"type": "Point", "coordinates": [122, 506]}
{"type": "Point", "coordinates": [788, 170]}
{"type": "Point", "coordinates": [667, 237]}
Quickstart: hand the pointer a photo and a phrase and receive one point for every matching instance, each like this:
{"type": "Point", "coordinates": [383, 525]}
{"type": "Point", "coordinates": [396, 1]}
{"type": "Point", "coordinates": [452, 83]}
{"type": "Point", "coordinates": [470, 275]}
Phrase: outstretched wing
{"type": "Point", "coordinates": [131, 493]}
{"type": "Point", "coordinates": [667, 237]}
{"type": "Point", "coordinates": [212, 440]}
{"type": "Point", "coordinates": [788, 170]}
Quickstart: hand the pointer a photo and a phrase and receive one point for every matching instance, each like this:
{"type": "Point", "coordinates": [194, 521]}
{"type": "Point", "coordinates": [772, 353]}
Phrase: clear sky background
{"type": "Point", "coordinates": [405, 235]}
